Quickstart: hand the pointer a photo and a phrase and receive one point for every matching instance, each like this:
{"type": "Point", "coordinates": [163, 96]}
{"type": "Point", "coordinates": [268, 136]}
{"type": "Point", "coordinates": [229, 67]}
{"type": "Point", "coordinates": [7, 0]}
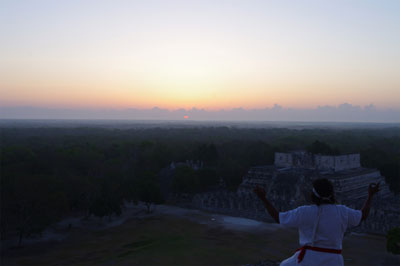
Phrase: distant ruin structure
{"type": "Point", "coordinates": [288, 185]}
{"type": "Point", "coordinates": [195, 165]}
{"type": "Point", "coordinates": [302, 159]}
{"type": "Point", "coordinates": [350, 180]}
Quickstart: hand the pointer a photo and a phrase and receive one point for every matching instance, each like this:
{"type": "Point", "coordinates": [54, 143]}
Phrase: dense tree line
{"type": "Point", "coordinates": [48, 173]}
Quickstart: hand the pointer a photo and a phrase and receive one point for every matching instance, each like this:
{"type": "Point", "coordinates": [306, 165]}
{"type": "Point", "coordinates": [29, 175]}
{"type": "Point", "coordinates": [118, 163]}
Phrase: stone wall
{"type": "Point", "coordinates": [354, 187]}
{"type": "Point", "coordinates": [301, 159]}
{"type": "Point", "coordinates": [384, 214]}
{"type": "Point", "coordinates": [231, 203]}
{"type": "Point", "coordinates": [283, 159]}
{"type": "Point", "coordinates": [289, 188]}
{"type": "Point", "coordinates": [349, 161]}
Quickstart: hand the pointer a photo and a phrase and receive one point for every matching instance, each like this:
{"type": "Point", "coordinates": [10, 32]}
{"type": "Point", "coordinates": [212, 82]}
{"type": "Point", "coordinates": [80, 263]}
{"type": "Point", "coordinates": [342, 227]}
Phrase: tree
{"type": "Point", "coordinates": [149, 191]}
{"type": "Point", "coordinates": [207, 179]}
{"type": "Point", "coordinates": [207, 153]}
{"type": "Point", "coordinates": [109, 201]}
{"type": "Point", "coordinates": [185, 180]}
{"type": "Point", "coordinates": [393, 240]}
{"type": "Point", "coordinates": [31, 203]}
{"type": "Point", "coordinates": [391, 171]}
{"type": "Point", "coordinates": [319, 147]}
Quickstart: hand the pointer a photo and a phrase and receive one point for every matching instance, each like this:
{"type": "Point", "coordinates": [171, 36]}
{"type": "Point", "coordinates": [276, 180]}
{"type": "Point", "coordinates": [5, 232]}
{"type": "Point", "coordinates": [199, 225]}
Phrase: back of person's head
{"type": "Point", "coordinates": [323, 192]}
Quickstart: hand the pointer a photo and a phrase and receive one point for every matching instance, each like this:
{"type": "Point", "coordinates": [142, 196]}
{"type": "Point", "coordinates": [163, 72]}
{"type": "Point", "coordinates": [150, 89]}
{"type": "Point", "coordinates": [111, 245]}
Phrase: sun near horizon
{"type": "Point", "coordinates": [203, 54]}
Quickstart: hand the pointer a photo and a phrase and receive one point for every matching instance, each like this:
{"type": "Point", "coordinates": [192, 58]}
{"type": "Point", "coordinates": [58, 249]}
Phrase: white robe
{"type": "Point", "coordinates": [333, 222]}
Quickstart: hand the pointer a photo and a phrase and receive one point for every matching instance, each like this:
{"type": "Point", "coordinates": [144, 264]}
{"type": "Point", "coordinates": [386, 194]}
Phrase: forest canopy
{"type": "Point", "coordinates": [48, 173]}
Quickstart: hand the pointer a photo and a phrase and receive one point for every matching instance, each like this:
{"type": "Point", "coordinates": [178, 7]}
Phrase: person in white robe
{"type": "Point", "coordinates": [321, 225]}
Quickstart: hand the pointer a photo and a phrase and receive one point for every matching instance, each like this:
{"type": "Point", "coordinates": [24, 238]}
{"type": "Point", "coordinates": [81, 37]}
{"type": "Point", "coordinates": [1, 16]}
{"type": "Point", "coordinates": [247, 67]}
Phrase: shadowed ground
{"type": "Point", "coordinates": [186, 238]}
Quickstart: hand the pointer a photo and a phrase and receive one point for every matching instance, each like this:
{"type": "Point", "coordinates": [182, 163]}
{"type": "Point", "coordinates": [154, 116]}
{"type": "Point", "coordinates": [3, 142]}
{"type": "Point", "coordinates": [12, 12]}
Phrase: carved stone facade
{"type": "Point", "coordinates": [302, 159]}
{"type": "Point", "coordinates": [288, 185]}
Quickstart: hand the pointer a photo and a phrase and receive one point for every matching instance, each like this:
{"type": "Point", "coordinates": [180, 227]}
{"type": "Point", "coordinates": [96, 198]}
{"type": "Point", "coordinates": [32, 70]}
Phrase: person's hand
{"type": "Point", "coordinates": [373, 189]}
{"type": "Point", "coordinates": [260, 192]}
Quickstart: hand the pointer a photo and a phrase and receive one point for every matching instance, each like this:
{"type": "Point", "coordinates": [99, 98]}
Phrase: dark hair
{"type": "Point", "coordinates": [324, 188]}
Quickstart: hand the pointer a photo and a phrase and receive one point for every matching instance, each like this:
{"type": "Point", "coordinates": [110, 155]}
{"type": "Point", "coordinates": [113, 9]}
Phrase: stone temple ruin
{"type": "Point", "coordinates": [350, 180]}
{"type": "Point", "coordinates": [288, 185]}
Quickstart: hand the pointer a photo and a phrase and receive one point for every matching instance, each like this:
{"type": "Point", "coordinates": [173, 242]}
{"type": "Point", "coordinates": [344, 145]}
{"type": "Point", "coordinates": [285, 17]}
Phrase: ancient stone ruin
{"type": "Point", "coordinates": [288, 185]}
{"type": "Point", "coordinates": [302, 159]}
{"type": "Point", "coordinates": [350, 180]}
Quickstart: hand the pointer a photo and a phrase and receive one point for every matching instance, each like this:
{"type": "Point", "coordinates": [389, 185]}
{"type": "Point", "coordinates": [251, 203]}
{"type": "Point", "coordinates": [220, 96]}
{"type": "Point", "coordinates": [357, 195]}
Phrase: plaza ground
{"type": "Point", "coordinates": [175, 236]}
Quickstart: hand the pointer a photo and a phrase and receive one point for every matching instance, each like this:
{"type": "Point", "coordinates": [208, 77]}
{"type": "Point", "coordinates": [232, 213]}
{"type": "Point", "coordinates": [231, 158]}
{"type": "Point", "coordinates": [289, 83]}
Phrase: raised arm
{"type": "Point", "coordinates": [270, 208]}
{"type": "Point", "coordinates": [372, 190]}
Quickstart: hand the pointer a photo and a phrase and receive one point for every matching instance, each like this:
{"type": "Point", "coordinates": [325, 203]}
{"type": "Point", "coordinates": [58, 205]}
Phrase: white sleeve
{"type": "Point", "coordinates": [353, 217]}
{"type": "Point", "coordinates": [291, 218]}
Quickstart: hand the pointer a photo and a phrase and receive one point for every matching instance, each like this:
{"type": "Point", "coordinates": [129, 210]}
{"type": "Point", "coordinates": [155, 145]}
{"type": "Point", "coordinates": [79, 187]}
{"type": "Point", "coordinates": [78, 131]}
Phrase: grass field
{"type": "Point", "coordinates": [170, 240]}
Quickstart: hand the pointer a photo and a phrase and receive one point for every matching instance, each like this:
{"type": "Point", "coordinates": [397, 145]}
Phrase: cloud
{"type": "Point", "coordinates": [345, 112]}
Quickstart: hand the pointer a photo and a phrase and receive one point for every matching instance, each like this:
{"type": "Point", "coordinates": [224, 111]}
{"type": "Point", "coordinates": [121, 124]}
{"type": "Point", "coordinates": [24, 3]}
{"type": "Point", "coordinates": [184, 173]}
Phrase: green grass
{"type": "Point", "coordinates": [167, 240]}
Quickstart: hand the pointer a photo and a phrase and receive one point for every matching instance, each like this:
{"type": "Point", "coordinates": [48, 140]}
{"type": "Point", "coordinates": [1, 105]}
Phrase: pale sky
{"type": "Point", "coordinates": [204, 54]}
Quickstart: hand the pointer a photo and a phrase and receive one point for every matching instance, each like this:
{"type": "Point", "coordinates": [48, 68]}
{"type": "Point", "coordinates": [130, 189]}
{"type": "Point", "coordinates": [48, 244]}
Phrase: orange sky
{"type": "Point", "coordinates": [204, 55]}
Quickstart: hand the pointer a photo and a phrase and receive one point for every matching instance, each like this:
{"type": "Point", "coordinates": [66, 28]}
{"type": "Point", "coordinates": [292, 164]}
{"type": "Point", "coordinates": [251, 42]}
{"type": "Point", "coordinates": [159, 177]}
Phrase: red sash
{"type": "Point", "coordinates": [327, 250]}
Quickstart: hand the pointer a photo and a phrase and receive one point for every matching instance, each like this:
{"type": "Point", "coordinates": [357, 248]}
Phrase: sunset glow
{"type": "Point", "coordinates": [202, 54]}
